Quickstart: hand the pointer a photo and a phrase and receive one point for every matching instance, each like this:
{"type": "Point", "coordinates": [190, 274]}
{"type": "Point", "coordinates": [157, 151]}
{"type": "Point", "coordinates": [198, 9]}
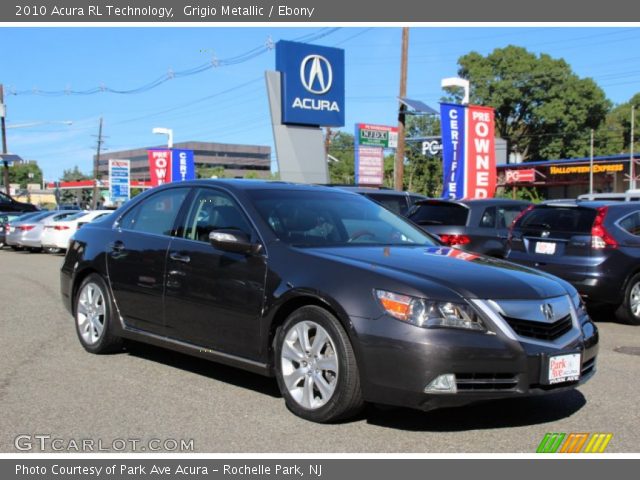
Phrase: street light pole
{"type": "Point", "coordinates": [4, 139]}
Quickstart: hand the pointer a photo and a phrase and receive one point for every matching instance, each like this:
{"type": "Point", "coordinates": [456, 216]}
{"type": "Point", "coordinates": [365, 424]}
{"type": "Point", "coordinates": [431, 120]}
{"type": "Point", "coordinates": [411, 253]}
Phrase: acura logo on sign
{"type": "Point", "coordinates": [318, 77]}
{"type": "Point", "coordinates": [547, 311]}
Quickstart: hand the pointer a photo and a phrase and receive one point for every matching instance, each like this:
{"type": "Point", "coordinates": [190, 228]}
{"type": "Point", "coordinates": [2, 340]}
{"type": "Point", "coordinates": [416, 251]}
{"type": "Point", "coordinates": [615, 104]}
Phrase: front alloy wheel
{"type": "Point", "coordinates": [93, 316]}
{"type": "Point", "coordinates": [90, 313]}
{"type": "Point", "coordinates": [309, 364]}
{"type": "Point", "coordinates": [316, 367]}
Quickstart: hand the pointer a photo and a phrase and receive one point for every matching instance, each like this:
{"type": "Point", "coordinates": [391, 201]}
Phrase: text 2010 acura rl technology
{"type": "Point", "coordinates": [340, 299]}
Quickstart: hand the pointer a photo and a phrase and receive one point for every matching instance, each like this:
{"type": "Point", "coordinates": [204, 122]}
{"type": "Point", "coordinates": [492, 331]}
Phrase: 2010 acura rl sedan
{"type": "Point", "coordinates": [337, 297]}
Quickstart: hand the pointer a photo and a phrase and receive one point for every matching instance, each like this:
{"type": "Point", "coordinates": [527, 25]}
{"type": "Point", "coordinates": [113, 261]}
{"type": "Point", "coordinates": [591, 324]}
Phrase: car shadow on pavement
{"type": "Point", "coordinates": [213, 370]}
{"type": "Point", "coordinates": [517, 412]}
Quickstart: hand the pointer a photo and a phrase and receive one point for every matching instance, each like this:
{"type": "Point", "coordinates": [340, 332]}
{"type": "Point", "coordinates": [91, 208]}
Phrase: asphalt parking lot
{"type": "Point", "coordinates": [49, 385]}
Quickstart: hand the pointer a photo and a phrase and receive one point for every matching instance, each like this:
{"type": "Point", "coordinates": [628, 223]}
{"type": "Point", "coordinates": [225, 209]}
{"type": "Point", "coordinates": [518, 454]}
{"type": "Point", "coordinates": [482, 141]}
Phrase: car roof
{"type": "Point", "coordinates": [376, 190]}
{"type": "Point", "coordinates": [483, 202]}
{"type": "Point", "coordinates": [589, 204]}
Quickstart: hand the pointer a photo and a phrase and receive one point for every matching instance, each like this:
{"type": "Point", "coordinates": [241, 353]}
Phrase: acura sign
{"type": "Point", "coordinates": [312, 79]}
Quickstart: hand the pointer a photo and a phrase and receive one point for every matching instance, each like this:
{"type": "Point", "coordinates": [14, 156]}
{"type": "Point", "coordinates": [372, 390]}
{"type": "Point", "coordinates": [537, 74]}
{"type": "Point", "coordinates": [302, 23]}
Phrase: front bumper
{"type": "Point", "coordinates": [398, 360]}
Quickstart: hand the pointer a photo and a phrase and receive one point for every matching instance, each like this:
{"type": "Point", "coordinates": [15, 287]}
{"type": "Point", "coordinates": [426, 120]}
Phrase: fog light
{"type": "Point", "coordinates": [445, 383]}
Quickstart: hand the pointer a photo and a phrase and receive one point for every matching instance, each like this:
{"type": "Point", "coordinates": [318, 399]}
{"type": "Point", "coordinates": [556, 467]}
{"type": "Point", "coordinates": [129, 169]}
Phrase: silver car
{"type": "Point", "coordinates": [28, 232]}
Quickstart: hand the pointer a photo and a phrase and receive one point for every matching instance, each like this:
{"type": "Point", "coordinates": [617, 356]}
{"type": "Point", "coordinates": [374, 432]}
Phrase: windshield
{"type": "Point", "coordinates": [304, 218]}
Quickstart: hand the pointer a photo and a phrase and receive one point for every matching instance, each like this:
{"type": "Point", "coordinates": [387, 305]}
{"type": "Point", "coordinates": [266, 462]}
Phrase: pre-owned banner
{"type": "Point", "coordinates": [468, 151]}
{"type": "Point", "coordinates": [481, 153]}
{"type": "Point", "coordinates": [453, 149]}
{"type": "Point", "coordinates": [160, 166]}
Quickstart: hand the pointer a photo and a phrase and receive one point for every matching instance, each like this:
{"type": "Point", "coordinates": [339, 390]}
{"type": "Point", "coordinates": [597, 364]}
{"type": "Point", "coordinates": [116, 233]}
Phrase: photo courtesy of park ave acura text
{"type": "Point", "coordinates": [308, 239]}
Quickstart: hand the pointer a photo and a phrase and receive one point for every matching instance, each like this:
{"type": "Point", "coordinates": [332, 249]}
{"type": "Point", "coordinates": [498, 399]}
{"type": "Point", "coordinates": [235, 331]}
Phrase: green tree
{"type": "Point", "coordinates": [341, 148]}
{"type": "Point", "coordinates": [74, 196]}
{"type": "Point", "coordinates": [614, 135]}
{"type": "Point", "coordinates": [210, 172]}
{"type": "Point", "coordinates": [19, 173]}
{"type": "Point", "coordinates": [543, 109]}
{"type": "Point", "coordinates": [73, 175]}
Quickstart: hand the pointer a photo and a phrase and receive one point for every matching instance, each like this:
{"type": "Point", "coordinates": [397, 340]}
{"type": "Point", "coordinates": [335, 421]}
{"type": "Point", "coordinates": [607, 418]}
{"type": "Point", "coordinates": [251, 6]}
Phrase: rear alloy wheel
{"type": "Point", "coordinates": [629, 311]}
{"type": "Point", "coordinates": [316, 367]}
{"type": "Point", "coordinates": [93, 317]}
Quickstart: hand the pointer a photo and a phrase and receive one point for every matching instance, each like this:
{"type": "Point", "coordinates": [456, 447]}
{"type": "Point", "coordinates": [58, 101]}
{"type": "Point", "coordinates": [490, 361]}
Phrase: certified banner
{"type": "Point", "coordinates": [453, 150]}
{"type": "Point", "coordinates": [183, 167]}
{"type": "Point", "coordinates": [160, 166]}
{"type": "Point", "coordinates": [468, 151]}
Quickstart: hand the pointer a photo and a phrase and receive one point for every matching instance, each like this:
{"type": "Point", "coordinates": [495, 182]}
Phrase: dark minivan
{"type": "Point", "coordinates": [593, 245]}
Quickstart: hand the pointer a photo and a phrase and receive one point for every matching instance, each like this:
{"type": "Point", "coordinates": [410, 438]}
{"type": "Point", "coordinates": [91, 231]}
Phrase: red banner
{"type": "Point", "coordinates": [160, 166]}
{"type": "Point", "coordinates": [481, 155]}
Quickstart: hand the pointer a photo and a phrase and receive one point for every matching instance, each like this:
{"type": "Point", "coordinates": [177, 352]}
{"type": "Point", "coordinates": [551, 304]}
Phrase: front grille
{"type": "Point", "coordinates": [540, 330]}
{"type": "Point", "coordinates": [486, 381]}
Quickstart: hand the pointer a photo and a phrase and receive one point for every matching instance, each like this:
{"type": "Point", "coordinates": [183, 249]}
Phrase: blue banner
{"type": "Point", "coordinates": [312, 79]}
{"type": "Point", "coordinates": [453, 118]}
{"type": "Point", "coordinates": [182, 165]}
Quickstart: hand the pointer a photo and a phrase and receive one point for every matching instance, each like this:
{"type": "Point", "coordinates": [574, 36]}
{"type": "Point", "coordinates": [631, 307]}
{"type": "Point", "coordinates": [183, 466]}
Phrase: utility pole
{"type": "Point", "coordinates": [96, 164]}
{"type": "Point", "coordinates": [632, 161]}
{"type": "Point", "coordinates": [398, 180]}
{"type": "Point", "coordinates": [3, 113]}
{"type": "Point", "coordinates": [591, 166]}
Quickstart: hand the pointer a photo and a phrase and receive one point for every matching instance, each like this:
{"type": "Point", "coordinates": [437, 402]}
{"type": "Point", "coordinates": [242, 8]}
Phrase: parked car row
{"type": "Point", "coordinates": [43, 230]}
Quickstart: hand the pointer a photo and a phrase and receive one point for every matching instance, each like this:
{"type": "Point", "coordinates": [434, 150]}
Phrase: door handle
{"type": "Point", "coordinates": [178, 257]}
{"type": "Point", "coordinates": [116, 246]}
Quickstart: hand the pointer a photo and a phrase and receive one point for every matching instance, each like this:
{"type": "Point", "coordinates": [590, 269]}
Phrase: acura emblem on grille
{"type": "Point", "coordinates": [547, 311]}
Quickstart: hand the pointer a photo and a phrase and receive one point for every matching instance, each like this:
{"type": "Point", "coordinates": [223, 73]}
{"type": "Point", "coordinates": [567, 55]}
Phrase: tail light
{"type": "Point", "coordinates": [61, 227]}
{"type": "Point", "coordinates": [25, 228]}
{"type": "Point", "coordinates": [600, 237]}
{"type": "Point", "coordinates": [452, 240]}
{"type": "Point", "coordinates": [515, 220]}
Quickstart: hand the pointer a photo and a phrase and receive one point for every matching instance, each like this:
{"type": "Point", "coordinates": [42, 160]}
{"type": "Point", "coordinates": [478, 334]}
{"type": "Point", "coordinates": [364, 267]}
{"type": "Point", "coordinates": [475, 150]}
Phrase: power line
{"type": "Point", "coordinates": [170, 75]}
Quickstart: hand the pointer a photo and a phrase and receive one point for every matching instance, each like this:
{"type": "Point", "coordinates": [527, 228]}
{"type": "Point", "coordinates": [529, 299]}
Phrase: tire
{"type": "Point", "coordinates": [16, 248]}
{"type": "Point", "coordinates": [326, 391]}
{"type": "Point", "coordinates": [93, 317]}
{"type": "Point", "coordinates": [35, 249]}
{"type": "Point", "coordinates": [629, 311]}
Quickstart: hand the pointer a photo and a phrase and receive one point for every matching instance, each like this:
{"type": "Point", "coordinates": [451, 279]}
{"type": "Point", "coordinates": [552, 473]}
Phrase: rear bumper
{"type": "Point", "coordinates": [398, 361]}
{"type": "Point", "coordinates": [602, 282]}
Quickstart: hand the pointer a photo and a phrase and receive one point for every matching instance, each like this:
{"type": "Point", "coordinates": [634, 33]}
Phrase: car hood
{"type": "Point", "coordinates": [468, 274]}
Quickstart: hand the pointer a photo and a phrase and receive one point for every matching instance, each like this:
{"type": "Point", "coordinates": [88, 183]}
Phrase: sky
{"type": "Point", "coordinates": [228, 103]}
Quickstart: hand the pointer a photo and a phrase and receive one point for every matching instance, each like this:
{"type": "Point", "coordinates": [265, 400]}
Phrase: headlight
{"type": "Point", "coordinates": [426, 313]}
{"type": "Point", "coordinates": [579, 305]}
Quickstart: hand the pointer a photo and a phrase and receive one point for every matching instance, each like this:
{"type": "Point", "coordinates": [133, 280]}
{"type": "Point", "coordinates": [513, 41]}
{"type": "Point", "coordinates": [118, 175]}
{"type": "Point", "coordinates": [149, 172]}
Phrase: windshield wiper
{"type": "Point", "coordinates": [429, 222]}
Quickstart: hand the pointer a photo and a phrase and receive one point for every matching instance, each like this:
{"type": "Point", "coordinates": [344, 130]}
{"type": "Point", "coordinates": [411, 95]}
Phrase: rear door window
{"type": "Point", "coordinates": [506, 215]}
{"type": "Point", "coordinates": [631, 223]}
{"type": "Point", "coordinates": [488, 219]}
{"type": "Point", "coordinates": [155, 214]}
{"type": "Point", "coordinates": [440, 214]}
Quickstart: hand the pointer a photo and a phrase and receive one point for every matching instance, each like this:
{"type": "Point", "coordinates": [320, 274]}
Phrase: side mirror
{"type": "Point", "coordinates": [236, 241]}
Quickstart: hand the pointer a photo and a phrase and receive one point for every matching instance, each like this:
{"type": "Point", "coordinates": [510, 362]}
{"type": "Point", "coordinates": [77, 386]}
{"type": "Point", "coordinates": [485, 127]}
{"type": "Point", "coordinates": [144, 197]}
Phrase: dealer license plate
{"type": "Point", "coordinates": [547, 248]}
{"type": "Point", "coordinates": [564, 368]}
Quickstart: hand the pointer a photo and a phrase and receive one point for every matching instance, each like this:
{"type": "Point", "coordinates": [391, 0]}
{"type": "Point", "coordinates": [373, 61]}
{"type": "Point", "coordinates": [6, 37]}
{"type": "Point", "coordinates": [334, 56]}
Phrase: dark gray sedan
{"type": "Point", "coordinates": [343, 301]}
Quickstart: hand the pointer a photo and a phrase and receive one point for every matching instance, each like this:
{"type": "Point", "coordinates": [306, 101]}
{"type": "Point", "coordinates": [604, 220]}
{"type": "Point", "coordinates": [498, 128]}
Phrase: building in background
{"type": "Point", "coordinates": [568, 178]}
{"type": "Point", "coordinates": [238, 161]}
